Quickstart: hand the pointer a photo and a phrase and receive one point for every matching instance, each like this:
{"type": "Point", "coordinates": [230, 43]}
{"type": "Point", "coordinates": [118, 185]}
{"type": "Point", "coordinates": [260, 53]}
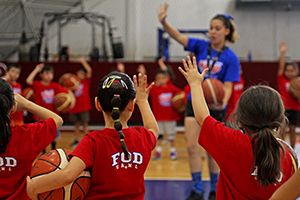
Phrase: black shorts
{"type": "Point", "coordinates": [216, 114]}
{"type": "Point", "coordinates": [293, 116]}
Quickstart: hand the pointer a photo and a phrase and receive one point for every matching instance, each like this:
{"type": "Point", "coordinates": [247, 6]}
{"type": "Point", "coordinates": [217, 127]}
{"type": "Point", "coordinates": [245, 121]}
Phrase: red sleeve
{"type": "Point", "coordinates": [151, 139]}
{"type": "Point", "coordinates": [218, 140]}
{"type": "Point", "coordinates": [85, 151]}
{"type": "Point", "coordinates": [42, 134]}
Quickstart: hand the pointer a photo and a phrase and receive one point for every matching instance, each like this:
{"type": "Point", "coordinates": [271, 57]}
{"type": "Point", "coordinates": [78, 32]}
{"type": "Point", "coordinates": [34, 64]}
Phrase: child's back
{"type": "Point", "coordinates": [20, 145]}
{"type": "Point", "coordinates": [117, 155]}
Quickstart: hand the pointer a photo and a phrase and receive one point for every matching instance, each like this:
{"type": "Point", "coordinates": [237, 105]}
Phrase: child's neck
{"type": "Point", "coordinates": [45, 83]}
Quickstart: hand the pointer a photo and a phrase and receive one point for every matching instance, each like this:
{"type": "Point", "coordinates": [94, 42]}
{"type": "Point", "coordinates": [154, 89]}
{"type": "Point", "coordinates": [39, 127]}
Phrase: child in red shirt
{"type": "Point", "coordinates": [20, 145]}
{"type": "Point", "coordinates": [161, 103]}
{"type": "Point", "coordinates": [253, 163]}
{"type": "Point", "coordinates": [45, 90]}
{"type": "Point", "coordinates": [79, 115]}
{"type": "Point", "coordinates": [12, 75]}
{"type": "Point", "coordinates": [286, 72]}
{"type": "Point", "coordinates": [118, 155]}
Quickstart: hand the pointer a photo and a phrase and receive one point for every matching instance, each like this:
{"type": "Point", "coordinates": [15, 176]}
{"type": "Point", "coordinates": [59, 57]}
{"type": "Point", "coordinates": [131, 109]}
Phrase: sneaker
{"type": "Point", "coordinates": [74, 144]}
{"type": "Point", "coordinates": [173, 156]}
{"type": "Point", "coordinates": [212, 195]}
{"type": "Point", "coordinates": [195, 196]}
{"type": "Point", "coordinates": [157, 155]}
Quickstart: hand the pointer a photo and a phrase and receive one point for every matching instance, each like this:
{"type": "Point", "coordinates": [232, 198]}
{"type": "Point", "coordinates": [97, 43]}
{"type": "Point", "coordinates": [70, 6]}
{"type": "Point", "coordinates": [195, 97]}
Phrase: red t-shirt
{"type": "Point", "coordinates": [114, 177]}
{"type": "Point", "coordinates": [82, 95]}
{"type": "Point", "coordinates": [161, 102]}
{"type": "Point", "coordinates": [17, 118]}
{"type": "Point", "coordinates": [232, 150]}
{"type": "Point", "coordinates": [289, 101]}
{"type": "Point", "coordinates": [44, 94]}
{"type": "Point", "coordinates": [237, 91]}
{"type": "Point", "coordinates": [26, 143]}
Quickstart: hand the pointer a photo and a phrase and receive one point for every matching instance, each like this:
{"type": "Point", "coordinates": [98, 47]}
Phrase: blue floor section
{"type": "Point", "coordinates": [171, 189]}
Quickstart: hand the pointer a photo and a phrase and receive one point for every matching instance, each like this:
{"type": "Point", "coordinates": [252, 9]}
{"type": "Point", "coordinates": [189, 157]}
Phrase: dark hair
{"type": "Point", "coordinates": [160, 71]}
{"type": "Point", "coordinates": [115, 91]}
{"type": "Point", "coordinates": [64, 54]}
{"type": "Point", "coordinates": [232, 36]}
{"type": "Point", "coordinates": [291, 63]}
{"type": "Point", "coordinates": [47, 68]}
{"type": "Point", "coordinates": [261, 112]}
{"type": "Point", "coordinates": [82, 69]}
{"type": "Point", "coordinates": [11, 65]}
{"type": "Point", "coordinates": [6, 103]}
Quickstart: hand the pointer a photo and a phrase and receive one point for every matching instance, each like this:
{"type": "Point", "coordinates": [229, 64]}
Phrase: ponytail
{"type": "Point", "coordinates": [115, 91]}
{"type": "Point", "coordinates": [267, 156]}
{"type": "Point", "coordinates": [115, 114]}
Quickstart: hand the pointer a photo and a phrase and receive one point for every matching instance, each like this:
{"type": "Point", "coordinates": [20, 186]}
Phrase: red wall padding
{"type": "Point", "coordinates": [253, 73]}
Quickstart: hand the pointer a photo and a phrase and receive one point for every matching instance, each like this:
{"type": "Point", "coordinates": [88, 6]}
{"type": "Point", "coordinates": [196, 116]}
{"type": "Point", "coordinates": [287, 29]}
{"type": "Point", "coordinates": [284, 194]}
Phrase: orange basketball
{"type": "Point", "coordinates": [70, 81]}
{"type": "Point", "coordinates": [28, 94]}
{"type": "Point", "coordinates": [213, 90]}
{"type": "Point", "coordinates": [62, 102]}
{"type": "Point", "coordinates": [294, 87]}
{"type": "Point", "coordinates": [56, 160]}
{"type": "Point", "coordinates": [178, 102]}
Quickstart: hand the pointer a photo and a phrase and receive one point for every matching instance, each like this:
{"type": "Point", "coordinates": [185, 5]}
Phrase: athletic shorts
{"type": "Point", "coordinates": [80, 117]}
{"type": "Point", "coordinates": [168, 127]}
{"type": "Point", "coordinates": [293, 116]}
{"type": "Point", "coordinates": [216, 114]}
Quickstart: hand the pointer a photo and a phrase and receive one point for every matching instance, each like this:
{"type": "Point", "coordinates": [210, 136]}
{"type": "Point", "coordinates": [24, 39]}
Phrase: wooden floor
{"type": "Point", "coordinates": [162, 169]}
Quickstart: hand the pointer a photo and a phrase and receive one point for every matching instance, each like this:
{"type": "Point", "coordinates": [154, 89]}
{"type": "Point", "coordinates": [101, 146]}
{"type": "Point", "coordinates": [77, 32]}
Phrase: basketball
{"type": "Point", "coordinates": [55, 160]}
{"type": "Point", "coordinates": [294, 87]}
{"type": "Point", "coordinates": [28, 94]}
{"type": "Point", "coordinates": [62, 102]}
{"type": "Point", "coordinates": [70, 81]}
{"type": "Point", "coordinates": [178, 102]}
{"type": "Point", "coordinates": [213, 91]}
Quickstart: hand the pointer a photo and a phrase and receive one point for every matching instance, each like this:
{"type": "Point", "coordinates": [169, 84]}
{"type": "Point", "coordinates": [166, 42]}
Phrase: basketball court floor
{"type": "Point", "coordinates": [165, 179]}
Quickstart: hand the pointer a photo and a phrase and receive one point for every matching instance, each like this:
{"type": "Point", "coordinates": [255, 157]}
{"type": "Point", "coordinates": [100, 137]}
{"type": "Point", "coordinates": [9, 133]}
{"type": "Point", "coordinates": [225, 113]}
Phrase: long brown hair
{"type": "Point", "coordinates": [260, 112]}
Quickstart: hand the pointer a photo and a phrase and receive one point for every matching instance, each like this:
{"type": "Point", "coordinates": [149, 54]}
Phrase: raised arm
{"type": "Point", "coordinates": [86, 66]}
{"type": "Point", "coordinates": [289, 190]}
{"type": "Point", "coordinates": [174, 33]}
{"type": "Point", "coordinates": [194, 78]}
{"type": "Point", "coordinates": [32, 75]}
{"type": "Point", "coordinates": [282, 48]}
{"type": "Point", "coordinates": [142, 93]}
{"type": "Point", "coordinates": [141, 69]}
{"type": "Point", "coordinates": [42, 113]}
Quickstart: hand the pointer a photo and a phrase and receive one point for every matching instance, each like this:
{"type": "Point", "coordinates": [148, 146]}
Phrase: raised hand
{"type": "Point", "coordinates": [161, 12]}
{"type": "Point", "coordinates": [283, 47]}
{"type": "Point", "coordinates": [191, 73]}
{"type": "Point", "coordinates": [141, 69]}
{"type": "Point", "coordinates": [140, 85]}
{"type": "Point", "coordinates": [39, 67]}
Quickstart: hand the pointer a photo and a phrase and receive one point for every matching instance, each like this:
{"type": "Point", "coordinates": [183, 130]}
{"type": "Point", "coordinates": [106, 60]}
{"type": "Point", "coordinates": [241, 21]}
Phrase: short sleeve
{"type": "Point", "coordinates": [152, 140]}
{"type": "Point", "coordinates": [42, 134]}
{"type": "Point", "coordinates": [218, 140]}
{"type": "Point", "coordinates": [196, 45]}
{"type": "Point", "coordinates": [233, 69]}
{"type": "Point", "coordinates": [85, 151]}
